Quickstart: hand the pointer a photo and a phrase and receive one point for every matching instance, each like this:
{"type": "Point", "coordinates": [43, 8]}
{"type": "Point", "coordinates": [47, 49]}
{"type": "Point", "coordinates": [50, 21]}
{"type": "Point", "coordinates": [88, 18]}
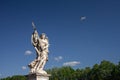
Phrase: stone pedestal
{"type": "Point", "coordinates": [37, 76]}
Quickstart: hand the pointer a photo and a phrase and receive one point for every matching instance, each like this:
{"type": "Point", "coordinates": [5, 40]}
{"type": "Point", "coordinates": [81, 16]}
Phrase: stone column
{"type": "Point", "coordinates": [37, 76]}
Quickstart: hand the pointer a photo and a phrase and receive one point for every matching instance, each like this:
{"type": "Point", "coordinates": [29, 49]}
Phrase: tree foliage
{"type": "Point", "coordinates": [103, 71]}
{"type": "Point", "coordinates": [16, 77]}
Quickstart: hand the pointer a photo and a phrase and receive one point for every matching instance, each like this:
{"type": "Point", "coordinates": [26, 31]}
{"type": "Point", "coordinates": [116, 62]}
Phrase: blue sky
{"type": "Point", "coordinates": [81, 32]}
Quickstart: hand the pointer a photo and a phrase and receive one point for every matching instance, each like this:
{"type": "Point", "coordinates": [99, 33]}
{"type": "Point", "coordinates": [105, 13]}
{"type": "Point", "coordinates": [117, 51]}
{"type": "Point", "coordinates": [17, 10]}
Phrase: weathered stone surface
{"type": "Point", "coordinates": [37, 76]}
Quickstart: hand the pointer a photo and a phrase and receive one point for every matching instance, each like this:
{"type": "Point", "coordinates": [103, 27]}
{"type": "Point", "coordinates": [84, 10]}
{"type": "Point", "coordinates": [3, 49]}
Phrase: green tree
{"type": "Point", "coordinates": [16, 77]}
{"type": "Point", "coordinates": [115, 74]}
{"type": "Point", "coordinates": [95, 72]}
{"type": "Point", "coordinates": [87, 72]}
{"type": "Point", "coordinates": [105, 68]}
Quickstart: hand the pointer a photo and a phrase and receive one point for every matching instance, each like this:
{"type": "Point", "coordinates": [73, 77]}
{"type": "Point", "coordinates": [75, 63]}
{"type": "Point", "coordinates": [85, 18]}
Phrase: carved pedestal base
{"type": "Point", "coordinates": [37, 76]}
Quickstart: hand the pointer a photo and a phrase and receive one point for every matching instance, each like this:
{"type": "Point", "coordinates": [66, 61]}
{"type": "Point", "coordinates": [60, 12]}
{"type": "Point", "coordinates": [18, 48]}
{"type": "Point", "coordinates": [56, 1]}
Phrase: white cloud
{"type": "Point", "coordinates": [28, 52]}
{"type": "Point", "coordinates": [24, 67]}
{"type": "Point", "coordinates": [72, 63]}
{"type": "Point", "coordinates": [0, 74]}
{"type": "Point", "coordinates": [83, 18]}
{"type": "Point", "coordinates": [58, 58]}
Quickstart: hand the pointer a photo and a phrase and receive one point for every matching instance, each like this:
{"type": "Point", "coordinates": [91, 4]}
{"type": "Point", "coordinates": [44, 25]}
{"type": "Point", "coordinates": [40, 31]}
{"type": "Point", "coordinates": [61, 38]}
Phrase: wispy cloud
{"type": "Point", "coordinates": [24, 67]}
{"type": "Point", "coordinates": [83, 18]}
{"type": "Point", "coordinates": [72, 63]}
{"type": "Point", "coordinates": [28, 52]}
{"type": "Point", "coordinates": [58, 58]}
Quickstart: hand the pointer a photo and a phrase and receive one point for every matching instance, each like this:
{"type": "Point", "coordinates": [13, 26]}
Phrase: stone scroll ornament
{"type": "Point", "coordinates": [41, 45]}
